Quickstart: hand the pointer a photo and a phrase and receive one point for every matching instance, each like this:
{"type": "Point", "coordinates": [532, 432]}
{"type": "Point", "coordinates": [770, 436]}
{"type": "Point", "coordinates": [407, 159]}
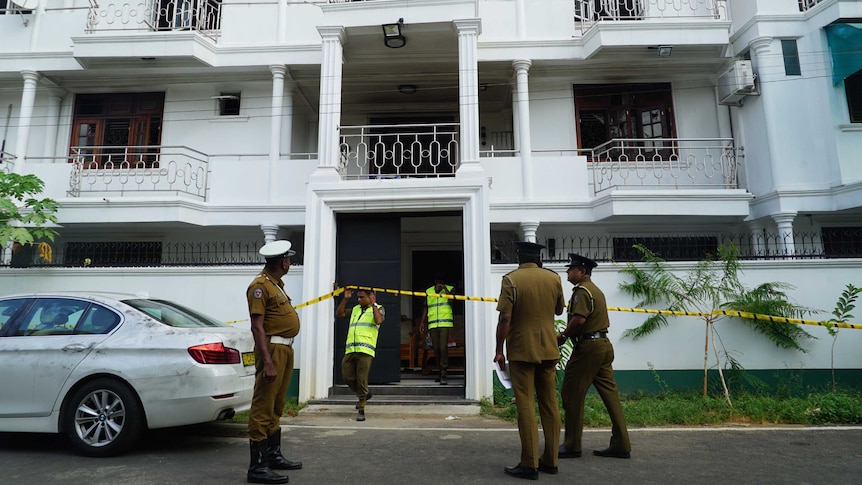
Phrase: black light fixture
{"type": "Point", "coordinates": [665, 50]}
{"type": "Point", "coordinates": [392, 35]}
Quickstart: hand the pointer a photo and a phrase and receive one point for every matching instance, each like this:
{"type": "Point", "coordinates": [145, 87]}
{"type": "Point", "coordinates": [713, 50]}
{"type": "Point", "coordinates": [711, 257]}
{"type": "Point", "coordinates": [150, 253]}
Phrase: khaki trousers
{"type": "Point", "coordinates": [541, 378]}
{"type": "Point", "coordinates": [267, 402]}
{"type": "Point", "coordinates": [355, 368]}
{"type": "Point", "coordinates": [440, 342]}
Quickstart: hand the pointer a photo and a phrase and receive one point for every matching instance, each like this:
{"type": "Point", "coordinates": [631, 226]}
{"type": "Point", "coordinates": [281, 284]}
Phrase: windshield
{"type": "Point", "coordinates": [173, 314]}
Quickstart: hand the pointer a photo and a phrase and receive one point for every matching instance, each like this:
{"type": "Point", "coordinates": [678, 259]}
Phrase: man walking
{"type": "Point", "coordinates": [365, 320]}
{"type": "Point", "coordinates": [274, 325]}
{"type": "Point", "coordinates": [439, 320]}
{"type": "Point", "coordinates": [590, 363]}
{"type": "Point", "coordinates": [530, 296]}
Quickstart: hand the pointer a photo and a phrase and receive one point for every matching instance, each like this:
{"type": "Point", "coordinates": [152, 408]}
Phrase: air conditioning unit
{"type": "Point", "coordinates": [735, 83]}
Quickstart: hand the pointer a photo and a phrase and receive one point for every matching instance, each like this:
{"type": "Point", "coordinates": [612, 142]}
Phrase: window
{"type": "Point", "coordinates": [842, 242]}
{"type": "Point", "coordinates": [119, 130]}
{"type": "Point", "coordinates": [853, 90]}
{"type": "Point", "coordinates": [671, 248]}
{"type": "Point", "coordinates": [612, 111]}
{"type": "Point", "coordinates": [52, 316]}
{"type": "Point", "coordinates": [790, 51]}
{"type": "Point", "coordinates": [10, 308]}
{"type": "Point", "coordinates": [228, 104]}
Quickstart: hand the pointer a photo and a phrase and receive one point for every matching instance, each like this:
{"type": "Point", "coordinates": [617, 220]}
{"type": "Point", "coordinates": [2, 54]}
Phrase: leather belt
{"type": "Point", "coordinates": [275, 339]}
{"type": "Point", "coordinates": [591, 336]}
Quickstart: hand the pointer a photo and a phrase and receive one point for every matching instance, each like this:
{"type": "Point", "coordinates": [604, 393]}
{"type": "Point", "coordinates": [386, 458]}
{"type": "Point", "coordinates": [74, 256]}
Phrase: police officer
{"type": "Point", "coordinates": [590, 363]}
{"type": "Point", "coordinates": [365, 320]}
{"type": "Point", "coordinates": [274, 325]}
{"type": "Point", "coordinates": [530, 296]}
{"type": "Point", "coordinates": [439, 319]}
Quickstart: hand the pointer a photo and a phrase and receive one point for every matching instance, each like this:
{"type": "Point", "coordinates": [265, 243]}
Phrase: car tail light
{"type": "Point", "coordinates": [215, 353]}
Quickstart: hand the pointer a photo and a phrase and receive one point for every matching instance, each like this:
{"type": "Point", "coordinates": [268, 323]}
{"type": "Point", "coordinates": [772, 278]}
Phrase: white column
{"type": "Point", "coordinates": [786, 242]}
{"type": "Point", "coordinates": [528, 229]}
{"type": "Point", "coordinates": [468, 90]}
{"type": "Point", "coordinates": [516, 128]}
{"type": "Point", "coordinates": [275, 127]}
{"type": "Point", "coordinates": [522, 67]}
{"type": "Point", "coordinates": [520, 19]}
{"type": "Point", "coordinates": [281, 24]}
{"type": "Point", "coordinates": [270, 232]}
{"type": "Point", "coordinates": [758, 245]}
{"type": "Point", "coordinates": [330, 101]}
{"type": "Point", "coordinates": [287, 137]}
{"type": "Point", "coordinates": [28, 97]}
{"type": "Point", "coordinates": [52, 123]}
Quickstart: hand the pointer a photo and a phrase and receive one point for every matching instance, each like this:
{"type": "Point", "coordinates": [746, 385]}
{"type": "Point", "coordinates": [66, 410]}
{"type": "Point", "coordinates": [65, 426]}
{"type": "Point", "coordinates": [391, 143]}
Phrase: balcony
{"type": "Point", "coordinates": [806, 5]}
{"type": "Point", "coordinates": [589, 13]}
{"type": "Point", "coordinates": [676, 163]}
{"type": "Point", "coordinates": [201, 16]}
{"type": "Point", "coordinates": [399, 151]}
{"type": "Point", "coordinates": [143, 170]}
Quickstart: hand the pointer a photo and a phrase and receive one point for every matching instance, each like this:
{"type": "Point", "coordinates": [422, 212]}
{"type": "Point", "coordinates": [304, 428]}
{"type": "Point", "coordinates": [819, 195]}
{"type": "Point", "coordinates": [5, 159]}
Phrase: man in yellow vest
{"type": "Point", "coordinates": [439, 319]}
{"type": "Point", "coordinates": [365, 320]}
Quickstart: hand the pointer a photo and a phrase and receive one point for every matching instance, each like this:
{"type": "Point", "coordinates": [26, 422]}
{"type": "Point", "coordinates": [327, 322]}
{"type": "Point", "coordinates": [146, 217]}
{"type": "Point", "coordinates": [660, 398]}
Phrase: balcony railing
{"type": "Point", "coordinates": [7, 162]}
{"type": "Point", "coordinates": [665, 162]}
{"type": "Point", "coordinates": [152, 170]}
{"type": "Point", "coordinates": [805, 5]}
{"type": "Point", "coordinates": [202, 16]}
{"type": "Point", "coordinates": [399, 151]}
{"type": "Point", "coordinates": [591, 12]}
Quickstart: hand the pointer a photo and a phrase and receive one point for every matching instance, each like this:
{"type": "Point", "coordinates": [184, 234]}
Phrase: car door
{"type": "Point", "coordinates": [45, 345]}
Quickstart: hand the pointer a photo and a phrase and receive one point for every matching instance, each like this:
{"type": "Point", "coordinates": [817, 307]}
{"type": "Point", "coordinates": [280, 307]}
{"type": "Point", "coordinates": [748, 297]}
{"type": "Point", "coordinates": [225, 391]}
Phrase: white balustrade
{"type": "Point", "coordinates": [665, 163]}
{"type": "Point", "coordinates": [397, 151]}
{"type": "Point", "coordinates": [142, 170]}
{"type": "Point", "coordinates": [590, 12]}
{"type": "Point", "coordinates": [203, 16]}
{"type": "Point", "coordinates": [805, 5]}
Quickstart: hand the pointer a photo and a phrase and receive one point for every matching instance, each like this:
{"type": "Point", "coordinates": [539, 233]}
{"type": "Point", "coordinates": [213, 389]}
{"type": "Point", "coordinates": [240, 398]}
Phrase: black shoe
{"type": "Point", "coordinates": [551, 470]}
{"type": "Point", "coordinates": [567, 453]}
{"type": "Point", "coordinates": [611, 453]}
{"type": "Point", "coordinates": [443, 381]}
{"type": "Point", "coordinates": [361, 415]}
{"type": "Point", "coordinates": [522, 472]}
{"type": "Point", "coordinates": [259, 470]}
{"type": "Point", "coordinates": [274, 458]}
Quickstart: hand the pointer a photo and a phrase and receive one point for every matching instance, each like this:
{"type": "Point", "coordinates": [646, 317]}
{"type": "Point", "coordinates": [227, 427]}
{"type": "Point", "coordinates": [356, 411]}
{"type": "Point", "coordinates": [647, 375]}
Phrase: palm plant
{"type": "Point", "coordinates": [843, 307]}
{"type": "Point", "coordinates": [711, 284]}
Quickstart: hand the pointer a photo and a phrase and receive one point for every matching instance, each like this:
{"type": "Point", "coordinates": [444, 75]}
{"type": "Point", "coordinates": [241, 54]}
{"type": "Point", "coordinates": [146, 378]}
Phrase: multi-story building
{"type": "Point", "coordinates": [391, 138]}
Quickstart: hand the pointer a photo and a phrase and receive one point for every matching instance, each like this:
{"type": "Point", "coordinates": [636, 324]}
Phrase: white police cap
{"type": "Point", "coordinates": [276, 249]}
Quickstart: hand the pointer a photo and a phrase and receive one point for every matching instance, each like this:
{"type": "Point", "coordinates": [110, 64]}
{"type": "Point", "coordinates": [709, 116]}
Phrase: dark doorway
{"type": "Point", "coordinates": [368, 253]}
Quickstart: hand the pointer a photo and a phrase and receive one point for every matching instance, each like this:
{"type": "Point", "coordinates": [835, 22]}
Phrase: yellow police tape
{"type": "Point", "coordinates": [730, 313]}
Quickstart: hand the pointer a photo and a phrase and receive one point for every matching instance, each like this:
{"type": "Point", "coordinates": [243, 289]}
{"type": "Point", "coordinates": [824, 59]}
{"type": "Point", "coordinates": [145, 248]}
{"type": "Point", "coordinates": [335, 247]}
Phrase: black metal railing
{"type": "Point", "coordinates": [827, 243]}
{"type": "Point", "coordinates": [143, 254]}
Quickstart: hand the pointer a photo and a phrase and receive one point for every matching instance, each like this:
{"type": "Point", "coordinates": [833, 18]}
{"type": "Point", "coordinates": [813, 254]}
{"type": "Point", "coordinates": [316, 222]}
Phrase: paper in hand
{"type": "Point", "coordinates": [503, 375]}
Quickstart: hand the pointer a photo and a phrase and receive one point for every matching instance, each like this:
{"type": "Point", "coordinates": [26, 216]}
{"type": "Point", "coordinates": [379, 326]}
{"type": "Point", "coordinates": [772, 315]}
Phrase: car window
{"type": "Point", "coordinates": [52, 316]}
{"type": "Point", "coordinates": [97, 320]}
{"type": "Point", "coordinates": [173, 314]}
{"type": "Point", "coordinates": [8, 310]}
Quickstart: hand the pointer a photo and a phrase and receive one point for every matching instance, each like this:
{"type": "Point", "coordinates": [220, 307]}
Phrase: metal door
{"type": "Point", "coordinates": [368, 253]}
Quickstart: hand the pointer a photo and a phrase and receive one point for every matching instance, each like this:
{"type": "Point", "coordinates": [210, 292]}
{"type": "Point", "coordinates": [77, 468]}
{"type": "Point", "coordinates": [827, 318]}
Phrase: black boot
{"type": "Point", "coordinates": [276, 460]}
{"type": "Point", "coordinates": [258, 469]}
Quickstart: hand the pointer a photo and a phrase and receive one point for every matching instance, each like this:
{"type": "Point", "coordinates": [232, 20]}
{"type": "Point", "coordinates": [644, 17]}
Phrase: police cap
{"type": "Point", "coordinates": [578, 260]}
{"type": "Point", "coordinates": [276, 249]}
{"type": "Point", "coordinates": [527, 248]}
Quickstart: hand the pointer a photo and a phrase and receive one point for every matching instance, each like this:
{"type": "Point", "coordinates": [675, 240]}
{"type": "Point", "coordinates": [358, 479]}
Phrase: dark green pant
{"type": "Point", "coordinates": [355, 368]}
{"type": "Point", "coordinates": [531, 383]}
{"type": "Point", "coordinates": [440, 342]}
{"type": "Point", "coordinates": [267, 402]}
{"type": "Point", "coordinates": [590, 364]}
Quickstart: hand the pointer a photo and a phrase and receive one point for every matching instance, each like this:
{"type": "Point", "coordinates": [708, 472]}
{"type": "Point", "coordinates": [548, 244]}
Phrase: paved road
{"type": "Point", "coordinates": [434, 450]}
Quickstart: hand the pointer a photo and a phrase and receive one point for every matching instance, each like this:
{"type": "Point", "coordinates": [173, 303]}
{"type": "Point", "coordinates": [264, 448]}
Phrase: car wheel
{"type": "Point", "coordinates": [103, 418]}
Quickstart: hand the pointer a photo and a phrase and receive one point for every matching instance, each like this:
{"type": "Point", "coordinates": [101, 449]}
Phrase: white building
{"type": "Point", "coordinates": [583, 124]}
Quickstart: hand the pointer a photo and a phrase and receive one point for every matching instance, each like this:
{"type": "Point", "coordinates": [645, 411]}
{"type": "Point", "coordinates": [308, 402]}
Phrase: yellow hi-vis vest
{"type": "Point", "coordinates": [439, 309]}
{"type": "Point", "coordinates": [362, 332]}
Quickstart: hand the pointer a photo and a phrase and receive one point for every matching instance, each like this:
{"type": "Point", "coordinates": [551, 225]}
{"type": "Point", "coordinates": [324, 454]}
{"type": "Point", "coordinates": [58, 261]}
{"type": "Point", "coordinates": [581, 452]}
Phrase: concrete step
{"type": "Point", "coordinates": [453, 390]}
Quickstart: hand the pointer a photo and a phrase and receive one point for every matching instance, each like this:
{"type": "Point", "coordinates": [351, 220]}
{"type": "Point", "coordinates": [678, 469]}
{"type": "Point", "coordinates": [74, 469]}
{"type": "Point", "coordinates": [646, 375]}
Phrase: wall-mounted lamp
{"type": "Point", "coordinates": [392, 35]}
{"type": "Point", "coordinates": [407, 88]}
{"type": "Point", "coordinates": [664, 50]}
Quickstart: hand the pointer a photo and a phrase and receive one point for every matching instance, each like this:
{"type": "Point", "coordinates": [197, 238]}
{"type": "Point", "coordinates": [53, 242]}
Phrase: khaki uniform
{"type": "Point", "coordinates": [590, 364]}
{"type": "Point", "coordinates": [266, 297]}
{"type": "Point", "coordinates": [531, 295]}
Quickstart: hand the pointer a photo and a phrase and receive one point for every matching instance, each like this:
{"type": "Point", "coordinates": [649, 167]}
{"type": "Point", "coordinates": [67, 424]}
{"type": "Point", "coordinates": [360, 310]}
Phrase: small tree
{"type": "Point", "coordinates": [843, 307]}
{"type": "Point", "coordinates": [711, 284]}
{"type": "Point", "coordinates": [22, 216]}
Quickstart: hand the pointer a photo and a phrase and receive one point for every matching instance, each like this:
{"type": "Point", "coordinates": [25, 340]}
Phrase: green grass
{"type": "Point", "coordinates": [291, 408]}
{"type": "Point", "coordinates": [692, 409]}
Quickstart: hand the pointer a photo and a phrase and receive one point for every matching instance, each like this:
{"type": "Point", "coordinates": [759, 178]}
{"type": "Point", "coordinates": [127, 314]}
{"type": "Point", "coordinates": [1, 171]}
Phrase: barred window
{"type": "Point", "coordinates": [842, 242]}
{"type": "Point", "coordinates": [671, 248]}
{"type": "Point", "coordinates": [113, 254]}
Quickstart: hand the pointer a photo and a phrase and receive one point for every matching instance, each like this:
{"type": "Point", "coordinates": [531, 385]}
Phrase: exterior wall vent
{"type": "Point", "coordinates": [735, 83]}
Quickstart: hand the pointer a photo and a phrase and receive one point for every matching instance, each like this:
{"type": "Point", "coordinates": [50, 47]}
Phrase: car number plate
{"type": "Point", "coordinates": [248, 358]}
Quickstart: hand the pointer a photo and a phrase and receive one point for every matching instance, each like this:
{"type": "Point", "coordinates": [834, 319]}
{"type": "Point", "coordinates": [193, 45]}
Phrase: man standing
{"type": "Point", "coordinates": [530, 296]}
{"type": "Point", "coordinates": [365, 320]}
{"type": "Point", "coordinates": [274, 325]}
{"type": "Point", "coordinates": [590, 363]}
{"type": "Point", "coordinates": [439, 319]}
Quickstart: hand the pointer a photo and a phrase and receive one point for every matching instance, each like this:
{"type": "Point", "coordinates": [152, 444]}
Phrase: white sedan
{"type": "Point", "coordinates": [103, 368]}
